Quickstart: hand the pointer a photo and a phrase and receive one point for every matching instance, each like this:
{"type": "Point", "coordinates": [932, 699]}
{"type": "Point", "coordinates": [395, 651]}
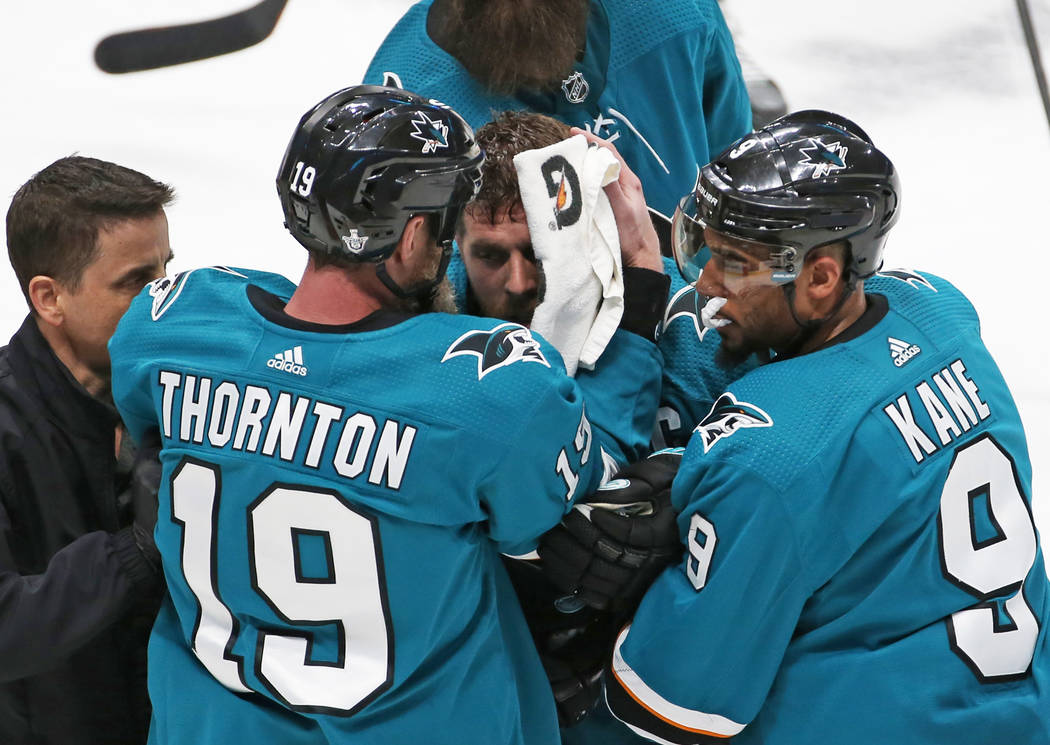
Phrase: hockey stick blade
{"type": "Point", "coordinates": [150, 48]}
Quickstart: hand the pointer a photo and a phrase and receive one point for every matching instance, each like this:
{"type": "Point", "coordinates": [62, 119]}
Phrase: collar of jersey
{"type": "Point", "coordinates": [271, 307]}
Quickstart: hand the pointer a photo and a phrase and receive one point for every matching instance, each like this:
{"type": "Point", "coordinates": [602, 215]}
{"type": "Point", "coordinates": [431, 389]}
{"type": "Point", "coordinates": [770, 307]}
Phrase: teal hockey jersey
{"type": "Point", "coordinates": [660, 80]}
{"type": "Point", "coordinates": [332, 509]}
{"type": "Point", "coordinates": [862, 565]}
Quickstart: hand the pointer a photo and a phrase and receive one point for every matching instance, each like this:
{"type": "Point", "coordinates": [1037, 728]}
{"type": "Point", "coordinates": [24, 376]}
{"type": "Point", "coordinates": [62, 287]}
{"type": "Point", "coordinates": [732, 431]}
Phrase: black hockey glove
{"type": "Point", "coordinates": [609, 548]}
{"type": "Point", "coordinates": [576, 690]}
{"type": "Point", "coordinates": [574, 641]}
{"type": "Point", "coordinates": [145, 481]}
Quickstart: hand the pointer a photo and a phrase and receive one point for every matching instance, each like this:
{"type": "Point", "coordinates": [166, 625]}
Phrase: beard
{"type": "Point", "coordinates": [442, 299]}
{"type": "Point", "coordinates": [511, 44]}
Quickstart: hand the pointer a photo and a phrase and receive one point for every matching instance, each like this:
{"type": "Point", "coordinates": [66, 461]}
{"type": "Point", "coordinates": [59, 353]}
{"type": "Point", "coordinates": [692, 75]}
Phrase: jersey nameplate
{"type": "Point", "coordinates": [954, 408]}
{"type": "Point", "coordinates": [294, 428]}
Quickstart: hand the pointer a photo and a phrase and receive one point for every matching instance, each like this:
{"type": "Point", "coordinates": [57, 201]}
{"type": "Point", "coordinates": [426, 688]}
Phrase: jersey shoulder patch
{"type": "Point", "coordinates": [727, 416]}
{"type": "Point", "coordinates": [499, 347]}
{"type": "Point", "coordinates": [166, 290]}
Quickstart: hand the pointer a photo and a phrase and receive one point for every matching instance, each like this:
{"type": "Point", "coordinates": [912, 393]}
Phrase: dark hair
{"type": "Point", "coordinates": [55, 217]}
{"type": "Point", "coordinates": [507, 45]}
{"type": "Point", "coordinates": [510, 133]}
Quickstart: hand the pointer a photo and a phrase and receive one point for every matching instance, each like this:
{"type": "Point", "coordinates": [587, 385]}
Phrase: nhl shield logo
{"type": "Point", "coordinates": [355, 242]}
{"type": "Point", "coordinates": [575, 87]}
{"type": "Point", "coordinates": [503, 345]}
{"type": "Point", "coordinates": [728, 415]}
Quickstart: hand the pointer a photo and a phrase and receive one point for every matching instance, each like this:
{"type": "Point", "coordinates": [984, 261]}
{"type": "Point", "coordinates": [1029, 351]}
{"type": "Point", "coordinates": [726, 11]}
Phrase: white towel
{"type": "Point", "coordinates": [574, 238]}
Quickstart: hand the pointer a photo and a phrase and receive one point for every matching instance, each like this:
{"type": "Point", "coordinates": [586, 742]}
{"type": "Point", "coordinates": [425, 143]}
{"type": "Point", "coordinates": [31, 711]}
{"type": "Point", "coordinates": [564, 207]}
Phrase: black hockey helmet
{"type": "Point", "coordinates": [805, 180]}
{"type": "Point", "coordinates": [366, 159]}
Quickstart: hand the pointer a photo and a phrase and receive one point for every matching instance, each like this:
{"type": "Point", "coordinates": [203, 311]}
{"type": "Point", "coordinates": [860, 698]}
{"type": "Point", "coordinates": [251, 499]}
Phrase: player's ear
{"type": "Point", "coordinates": [414, 238]}
{"type": "Point", "coordinates": [824, 275]}
{"type": "Point", "coordinates": [45, 294]}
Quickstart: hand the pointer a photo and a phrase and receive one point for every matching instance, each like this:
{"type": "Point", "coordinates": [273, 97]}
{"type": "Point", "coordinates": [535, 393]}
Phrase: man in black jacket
{"type": "Point", "coordinates": [79, 577]}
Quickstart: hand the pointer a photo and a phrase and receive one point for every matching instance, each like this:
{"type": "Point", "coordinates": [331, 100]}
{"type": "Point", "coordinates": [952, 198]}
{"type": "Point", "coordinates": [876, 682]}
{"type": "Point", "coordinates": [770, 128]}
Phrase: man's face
{"type": "Point", "coordinates": [500, 264]}
{"type": "Point", "coordinates": [757, 309]}
{"type": "Point", "coordinates": [131, 254]}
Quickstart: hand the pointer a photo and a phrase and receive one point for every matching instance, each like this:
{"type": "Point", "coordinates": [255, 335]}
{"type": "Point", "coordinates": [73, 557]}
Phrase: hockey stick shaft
{"type": "Point", "coordinates": [1033, 51]}
{"type": "Point", "coordinates": [150, 48]}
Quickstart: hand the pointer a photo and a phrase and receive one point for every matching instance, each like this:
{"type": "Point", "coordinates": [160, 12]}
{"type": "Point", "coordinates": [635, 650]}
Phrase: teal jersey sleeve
{"type": "Point", "coordinates": [622, 394]}
{"type": "Point", "coordinates": [743, 562]}
{"type": "Point", "coordinates": [554, 456]}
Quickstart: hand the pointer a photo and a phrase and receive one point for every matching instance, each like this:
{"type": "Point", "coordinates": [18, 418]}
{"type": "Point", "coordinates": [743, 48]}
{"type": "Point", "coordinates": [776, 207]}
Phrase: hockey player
{"type": "Point", "coordinates": [661, 80]}
{"type": "Point", "coordinates": [494, 273]}
{"type": "Point", "coordinates": [861, 565]}
{"type": "Point", "coordinates": [341, 471]}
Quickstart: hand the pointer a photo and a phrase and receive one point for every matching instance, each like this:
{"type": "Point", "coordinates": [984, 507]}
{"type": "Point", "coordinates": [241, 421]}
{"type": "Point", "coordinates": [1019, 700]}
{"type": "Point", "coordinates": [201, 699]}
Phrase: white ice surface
{"type": "Point", "coordinates": [944, 86]}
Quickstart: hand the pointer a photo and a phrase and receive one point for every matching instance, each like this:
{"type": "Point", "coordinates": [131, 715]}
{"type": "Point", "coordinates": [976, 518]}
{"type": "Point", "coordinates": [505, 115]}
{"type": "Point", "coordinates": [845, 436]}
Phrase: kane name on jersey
{"type": "Point", "coordinates": [953, 408]}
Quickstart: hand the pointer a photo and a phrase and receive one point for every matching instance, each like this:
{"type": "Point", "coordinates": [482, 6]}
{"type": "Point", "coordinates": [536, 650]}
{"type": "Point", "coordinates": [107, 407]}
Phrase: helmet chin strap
{"type": "Point", "coordinates": [422, 290]}
{"type": "Point", "coordinates": [807, 328]}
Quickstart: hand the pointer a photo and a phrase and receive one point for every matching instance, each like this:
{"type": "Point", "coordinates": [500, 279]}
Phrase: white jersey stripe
{"type": "Point", "coordinates": [678, 716]}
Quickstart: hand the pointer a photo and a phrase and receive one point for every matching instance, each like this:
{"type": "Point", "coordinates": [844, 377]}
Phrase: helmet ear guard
{"type": "Point", "coordinates": [808, 179]}
{"type": "Point", "coordinates": [366, 159]}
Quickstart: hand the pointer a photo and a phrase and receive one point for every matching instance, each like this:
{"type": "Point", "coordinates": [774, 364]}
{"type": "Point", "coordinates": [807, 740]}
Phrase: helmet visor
{"type": "Point", "coordinates": [741, 264]}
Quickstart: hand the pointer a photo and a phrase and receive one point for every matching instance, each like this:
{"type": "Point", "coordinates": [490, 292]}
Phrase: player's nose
{"type": "Point", "coordinates": [522, 276]}
{"type": "Point", "coordinates": [710, 282]}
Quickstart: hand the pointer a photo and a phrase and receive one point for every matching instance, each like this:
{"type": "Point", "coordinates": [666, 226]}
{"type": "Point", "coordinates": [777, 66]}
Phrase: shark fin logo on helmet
{"type": "Point", "coordinates": [166, 290]}
{"type": "Point", "coordinates": [824, 158]}
{"type": "Point", "coordinates": [503, 345]}
{"type": "Point", "coordinates": [433, 133]}
{"type": "Point", "coordinates": [910, 277]}
{"type": "Point", "coordinates": [728, 415]}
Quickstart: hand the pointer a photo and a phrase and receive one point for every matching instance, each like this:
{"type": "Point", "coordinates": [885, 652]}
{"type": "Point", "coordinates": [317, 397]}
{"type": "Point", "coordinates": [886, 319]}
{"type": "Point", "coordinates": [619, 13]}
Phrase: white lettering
{"type": "Point", "coordinates": [391, 456]}
{"type": "Point", "coordinates": [194, 409]}
{"type": "Point", "coordinates": [914, 437]}
{"type": "Point", "coordinates": [942, 420]}
{"type": "Point", "coordinates": [971, 389]}
{"type": "Point", "coordinates": [253, 408]}
{"type": "Point", "coordinates": [169, 381]}
{"type": "Point", "coordinates": [285, 426]}
{"type": "Point", "coordinates": [358, 433]}
{"type": "Point", "coordinates": [955, 398]}
{"type": "Point", "coordinates": [326, 414]}
{"type": "Point", "coordinates": [223, 413]}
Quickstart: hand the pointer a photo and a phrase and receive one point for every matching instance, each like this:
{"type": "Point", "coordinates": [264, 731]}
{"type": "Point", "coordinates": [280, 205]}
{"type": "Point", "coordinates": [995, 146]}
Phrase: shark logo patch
{"type": "Point", "coordinates": [433, 133]}
{"type": "Point", "coordinates": [166, 290]}
{"type": "Point", "coordinates": [728, 415]}
{"type": "Point", "coordinates": [824, 158]}
{"type": "Point", "coordinates": [504, 345]}
{"type": "Point", "coordinates": [688, 303]}
{"type": "Point", "coordinates": [906, 275]}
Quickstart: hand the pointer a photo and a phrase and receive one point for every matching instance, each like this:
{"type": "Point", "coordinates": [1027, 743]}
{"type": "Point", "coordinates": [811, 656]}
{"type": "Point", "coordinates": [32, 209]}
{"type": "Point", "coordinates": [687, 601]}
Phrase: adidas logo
{"type": "Point", "coordinates": [902, 351]}
{"type": "Point", "coordinates": [290, 360]}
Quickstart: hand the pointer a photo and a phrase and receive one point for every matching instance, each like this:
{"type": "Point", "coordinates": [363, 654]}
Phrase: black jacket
{"type": "Point", "coordinates": [76, 596]}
